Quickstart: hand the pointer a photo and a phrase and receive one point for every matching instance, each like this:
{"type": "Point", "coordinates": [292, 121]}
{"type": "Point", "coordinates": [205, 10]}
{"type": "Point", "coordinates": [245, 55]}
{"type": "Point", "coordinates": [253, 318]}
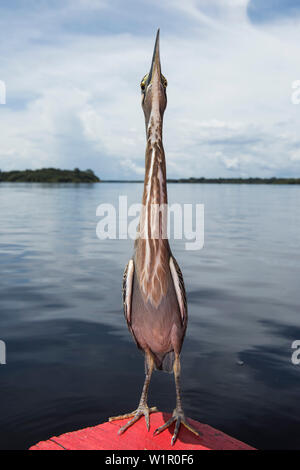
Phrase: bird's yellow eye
{"type": "Point", "coordinates": [145, 78]}
{"type": "Point", "coordinates": [143, 82]}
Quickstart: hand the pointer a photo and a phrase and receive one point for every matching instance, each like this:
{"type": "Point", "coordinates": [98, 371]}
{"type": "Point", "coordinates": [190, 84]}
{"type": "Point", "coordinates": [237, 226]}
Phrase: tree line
{"type": "Point", "coordinates": [49, 175]}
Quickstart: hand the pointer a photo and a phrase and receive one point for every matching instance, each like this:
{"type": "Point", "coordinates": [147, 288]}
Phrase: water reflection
{"type": "Point", "coordinates": [70, 360]}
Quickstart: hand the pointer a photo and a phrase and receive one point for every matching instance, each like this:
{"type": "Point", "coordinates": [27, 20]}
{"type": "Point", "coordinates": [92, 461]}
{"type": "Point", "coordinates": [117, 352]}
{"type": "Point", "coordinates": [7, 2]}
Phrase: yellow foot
{"type": "Point", "coordinates": [179, 418]}
{"type": "Point", "coordinates": [143, 410]}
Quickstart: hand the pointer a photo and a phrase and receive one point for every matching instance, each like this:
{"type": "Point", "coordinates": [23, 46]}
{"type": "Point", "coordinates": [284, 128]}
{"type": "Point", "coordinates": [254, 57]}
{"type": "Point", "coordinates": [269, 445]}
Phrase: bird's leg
{"type": "Point", "coordinates": [142, 409]}
{"type": "Point", "coordinates": [178, 415]}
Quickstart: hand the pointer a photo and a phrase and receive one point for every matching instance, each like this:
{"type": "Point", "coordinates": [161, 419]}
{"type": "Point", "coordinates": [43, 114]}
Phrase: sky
{"type": "Point", "coordinates": [72, 71]}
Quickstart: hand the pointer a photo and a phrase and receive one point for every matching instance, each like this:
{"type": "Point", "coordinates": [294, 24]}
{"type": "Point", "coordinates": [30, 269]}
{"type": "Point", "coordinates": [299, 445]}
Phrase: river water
{"type": "Point", "coordinates": [70, 361]}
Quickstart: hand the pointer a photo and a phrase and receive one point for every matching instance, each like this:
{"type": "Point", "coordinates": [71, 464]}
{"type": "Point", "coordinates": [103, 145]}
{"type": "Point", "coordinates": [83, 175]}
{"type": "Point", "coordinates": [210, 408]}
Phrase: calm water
{"type": "Point", "coordinates": [71, 362]}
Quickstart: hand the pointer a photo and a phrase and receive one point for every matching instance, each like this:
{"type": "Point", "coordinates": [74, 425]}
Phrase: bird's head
{"type": "Point", "coordinates": [153, 87]}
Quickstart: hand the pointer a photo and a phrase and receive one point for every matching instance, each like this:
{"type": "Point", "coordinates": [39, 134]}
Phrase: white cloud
{"type": "Point", "coordinates": [73, 100]}
{"type": "Point", "coordinates": [129, 164]}
{"type": "Point", "coordinates": [231, 163]}
{"type": "Point", "coordinates": [295, 156]}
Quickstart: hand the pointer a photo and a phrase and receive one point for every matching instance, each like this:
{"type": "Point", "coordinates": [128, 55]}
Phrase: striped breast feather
{"type": "Point", "coordinates": [179, 289]}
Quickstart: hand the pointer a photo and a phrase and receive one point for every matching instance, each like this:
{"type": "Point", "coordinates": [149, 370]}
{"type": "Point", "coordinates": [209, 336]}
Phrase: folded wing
{"type": "Point", "coordinates": [179, 288]}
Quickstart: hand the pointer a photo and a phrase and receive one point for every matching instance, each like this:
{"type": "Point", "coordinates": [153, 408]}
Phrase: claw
{"type": "Point", "coordinates": [177, 426]}
{"type": "Point", "coordinates": [142, 410]}
{"type": "Point", "coordinates": [179, 418]}
{"type": "Point", "coordinates": [163, 427]}
{"type": "Point", "coordinates": [130, 422]}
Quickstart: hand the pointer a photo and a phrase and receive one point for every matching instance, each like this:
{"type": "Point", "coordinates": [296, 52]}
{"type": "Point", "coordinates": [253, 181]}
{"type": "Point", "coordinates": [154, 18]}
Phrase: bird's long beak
{"type": "Point", "coordinates": [155, 71]}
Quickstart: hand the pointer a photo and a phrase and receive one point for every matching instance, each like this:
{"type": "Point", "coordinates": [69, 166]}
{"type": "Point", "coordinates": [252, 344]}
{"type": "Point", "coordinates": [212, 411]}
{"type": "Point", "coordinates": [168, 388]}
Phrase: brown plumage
{"type": "Point", "coordinates": [154, 295]}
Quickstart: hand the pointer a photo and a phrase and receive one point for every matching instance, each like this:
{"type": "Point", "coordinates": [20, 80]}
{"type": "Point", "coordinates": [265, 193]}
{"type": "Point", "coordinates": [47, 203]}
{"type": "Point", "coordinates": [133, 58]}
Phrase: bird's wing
{"type": "Point", "coordinates": [179, 288]}
{"type": "Point", "coordinates": [127, 290]}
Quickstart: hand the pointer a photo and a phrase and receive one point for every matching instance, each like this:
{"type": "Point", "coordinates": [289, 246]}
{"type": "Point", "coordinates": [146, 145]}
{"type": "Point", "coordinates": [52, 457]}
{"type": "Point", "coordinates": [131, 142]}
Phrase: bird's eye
{"type": "Point", "coordinates": [164, 81]}
{"type": "Point", "coordinates": [143, 82]}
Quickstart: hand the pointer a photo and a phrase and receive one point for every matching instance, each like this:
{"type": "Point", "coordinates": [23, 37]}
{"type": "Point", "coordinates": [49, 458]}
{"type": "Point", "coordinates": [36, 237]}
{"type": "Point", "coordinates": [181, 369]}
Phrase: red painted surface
{"type": "Point", "coordinates": [105, 437]}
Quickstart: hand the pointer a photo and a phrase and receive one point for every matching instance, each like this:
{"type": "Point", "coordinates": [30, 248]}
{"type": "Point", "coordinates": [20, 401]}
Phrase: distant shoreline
{"type": "Point", "coordinates": [49, 175]}
{"type": "Point", "coordinates": [219, 181]}
{"type": "Point", "coordinates": [55, 175]}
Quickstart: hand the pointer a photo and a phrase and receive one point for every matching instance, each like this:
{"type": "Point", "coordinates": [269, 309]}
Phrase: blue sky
{"type": "Point", "coordinates": [72, 70]}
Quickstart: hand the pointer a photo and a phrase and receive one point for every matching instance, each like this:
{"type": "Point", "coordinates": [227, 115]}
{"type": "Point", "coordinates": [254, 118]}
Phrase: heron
{"type": "Point", "coordinates": [154, 295]}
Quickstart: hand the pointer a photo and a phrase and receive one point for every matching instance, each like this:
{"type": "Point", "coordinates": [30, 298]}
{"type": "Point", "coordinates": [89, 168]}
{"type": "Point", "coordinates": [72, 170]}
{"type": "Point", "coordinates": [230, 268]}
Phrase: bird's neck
{"type": "Point", "coordinates": [152, 246]}
{"type": "Point", "coordinates": [155, 184]}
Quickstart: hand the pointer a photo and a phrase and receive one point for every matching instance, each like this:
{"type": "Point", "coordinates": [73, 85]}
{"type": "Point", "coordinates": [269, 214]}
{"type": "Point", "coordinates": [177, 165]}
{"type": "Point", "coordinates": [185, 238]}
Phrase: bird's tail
{"type": "Point", "coordinates": [164, 363]}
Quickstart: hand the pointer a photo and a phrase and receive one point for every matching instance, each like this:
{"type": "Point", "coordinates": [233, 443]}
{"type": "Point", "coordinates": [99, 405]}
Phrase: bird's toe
{"type": "Point", "coordinates": [142, 410]}
{"type": "Point", "coordinates": [164, 426]}
{"type": "Point", "coordinates": [179, 418]}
